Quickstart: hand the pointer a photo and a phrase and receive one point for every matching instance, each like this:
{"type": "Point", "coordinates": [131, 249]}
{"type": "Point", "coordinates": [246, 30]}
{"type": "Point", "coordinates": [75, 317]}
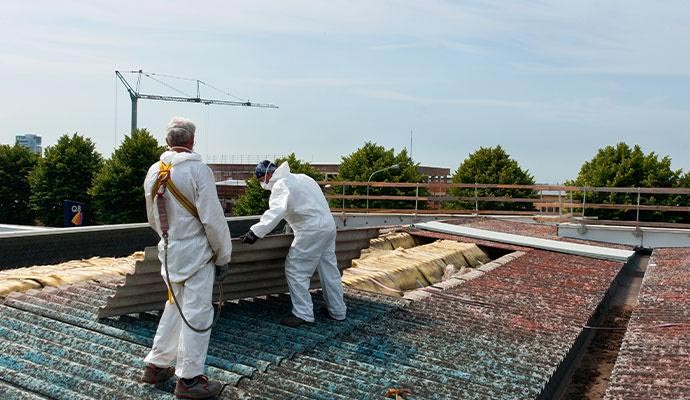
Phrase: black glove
{"type": "Point", "coordinates": [221, 272]}
{"type": "Point", "coordinates": [249, 237]}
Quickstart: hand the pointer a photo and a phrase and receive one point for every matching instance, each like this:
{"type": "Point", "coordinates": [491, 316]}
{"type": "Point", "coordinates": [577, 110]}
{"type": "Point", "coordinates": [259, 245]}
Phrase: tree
{"type": "Point", "coordinates": [117, 191]}
{"type": "Point", "coordinates": [254, 201]}
{"type": "Point", "coordinates": [622, 166]}
{"type": "Point", "coordinates": [684, 181]}
{"type": "Point", "coordinates": [64, 173]}
{"type": "Point", "coordinates": [16, 162]}
{"type": "Point", "coordinates": [363, 162]}
{"type": "Point", "coordinates": [492, 165]}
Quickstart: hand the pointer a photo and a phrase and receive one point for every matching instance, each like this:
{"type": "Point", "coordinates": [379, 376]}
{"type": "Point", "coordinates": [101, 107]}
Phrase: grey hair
{"type": "Point", "coordinates": [180, 131]}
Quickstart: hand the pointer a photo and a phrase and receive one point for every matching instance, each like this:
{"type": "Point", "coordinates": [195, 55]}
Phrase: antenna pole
{"type": "Point", "coordinates": [410, 142]}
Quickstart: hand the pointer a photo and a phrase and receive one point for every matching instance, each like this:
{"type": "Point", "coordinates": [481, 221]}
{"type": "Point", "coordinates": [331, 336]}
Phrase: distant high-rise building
{"type": "Point", "coordinates": [30, 141]}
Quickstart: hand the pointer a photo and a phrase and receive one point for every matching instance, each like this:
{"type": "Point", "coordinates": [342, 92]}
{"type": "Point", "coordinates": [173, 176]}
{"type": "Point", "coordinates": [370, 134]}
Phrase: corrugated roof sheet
{"type": "Point", "coordinates": [654, 359]}
{"type": "Point", "coordinates": [52, 346]}
{"type": "Point", "coordinates": [255, 270]}
{"type": "Point", "coordinates": [502, 335]}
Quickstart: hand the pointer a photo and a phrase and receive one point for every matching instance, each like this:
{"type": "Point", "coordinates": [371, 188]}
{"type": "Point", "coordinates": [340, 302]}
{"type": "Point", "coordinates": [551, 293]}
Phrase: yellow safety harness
{"type": "Point", "coordinates": [164, 181]}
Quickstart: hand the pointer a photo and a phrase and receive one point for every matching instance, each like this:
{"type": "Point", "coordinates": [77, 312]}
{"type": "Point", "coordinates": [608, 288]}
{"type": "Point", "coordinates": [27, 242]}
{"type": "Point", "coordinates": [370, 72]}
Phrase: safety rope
{"type": "Point", "coordinates": [160, 186]}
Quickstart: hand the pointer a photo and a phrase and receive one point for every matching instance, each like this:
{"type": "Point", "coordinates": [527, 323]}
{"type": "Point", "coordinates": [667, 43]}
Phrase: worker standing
{"type": "Point", "coordinates": [298, 199]}
{"type": "Point", "coordinates": [194, 238]}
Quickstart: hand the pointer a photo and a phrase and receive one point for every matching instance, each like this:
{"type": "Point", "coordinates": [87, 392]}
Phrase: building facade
{"type": "Point", "coordinates": [31, 142]}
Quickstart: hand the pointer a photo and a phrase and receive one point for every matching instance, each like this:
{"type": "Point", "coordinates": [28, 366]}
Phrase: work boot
{"type": "Point", "coordinates": [153, 374]}
{"type": "Point", "coordinates": [199, 387]}
{"type": "Point", "coordinates": [293, 321]}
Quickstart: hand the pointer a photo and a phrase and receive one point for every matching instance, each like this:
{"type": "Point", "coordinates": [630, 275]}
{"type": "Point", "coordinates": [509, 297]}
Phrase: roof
{"type": "Point", "coordinates": [501, 335]}
{"type": "Point", "coordinates": [503, 331]}
{"type": "Point", "coordinates": [654, 359]}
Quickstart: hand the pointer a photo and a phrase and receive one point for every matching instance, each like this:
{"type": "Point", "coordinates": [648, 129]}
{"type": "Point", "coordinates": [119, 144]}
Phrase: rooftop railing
{"type": "Point", "coordinates": [661, 207]}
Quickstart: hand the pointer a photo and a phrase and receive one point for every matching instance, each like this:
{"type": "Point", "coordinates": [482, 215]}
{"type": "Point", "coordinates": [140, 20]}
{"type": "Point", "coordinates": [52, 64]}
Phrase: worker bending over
{"type": "Point", "coordinates": [298, 199]}
{"type": "Point", "coordinates": [196, 237]}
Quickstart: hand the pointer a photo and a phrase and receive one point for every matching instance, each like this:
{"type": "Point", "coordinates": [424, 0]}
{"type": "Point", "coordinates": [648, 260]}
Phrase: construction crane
{"type": "Point", "coordinates": [135, 95]}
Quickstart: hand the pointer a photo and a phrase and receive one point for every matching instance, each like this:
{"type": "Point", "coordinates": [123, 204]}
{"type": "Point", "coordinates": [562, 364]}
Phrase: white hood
{"type": "Point", "coordinates": [177, 158]}
{"type": "Point", "coordinates": [281, 172]}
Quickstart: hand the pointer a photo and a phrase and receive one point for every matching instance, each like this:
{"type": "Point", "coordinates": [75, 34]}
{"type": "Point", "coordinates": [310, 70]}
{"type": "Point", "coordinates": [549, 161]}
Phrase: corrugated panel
{"type": "Point", "coordinates": [654, 359]}
{"type": "Point", "coordinates": [502, 335]}
{"type": "Point", "coordinates": [255, 270]}
{"type": "Point", "coordinates": [604, 253]}
{"type": "Point", "coordinates": [51, 346]}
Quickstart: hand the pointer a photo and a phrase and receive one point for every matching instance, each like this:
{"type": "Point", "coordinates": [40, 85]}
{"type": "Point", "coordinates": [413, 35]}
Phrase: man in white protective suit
{"type": "Point", "coordinates": [298, 199]}
{"type": "Point", "coordinates": [196, 234]}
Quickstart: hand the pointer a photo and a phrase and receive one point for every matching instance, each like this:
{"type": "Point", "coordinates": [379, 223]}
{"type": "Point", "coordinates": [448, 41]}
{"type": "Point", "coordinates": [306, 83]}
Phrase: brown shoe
{"type": "Point", "coordinates": [153, 374]}
{"type": "Point", "coordinates": [293, 321]}
{"type": "Point", "coordinates": [199, 387]}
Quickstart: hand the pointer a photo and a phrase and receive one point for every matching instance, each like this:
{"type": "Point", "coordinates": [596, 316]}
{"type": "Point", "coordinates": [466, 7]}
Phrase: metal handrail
{"type": "Point", "coordinates": [556, 200]}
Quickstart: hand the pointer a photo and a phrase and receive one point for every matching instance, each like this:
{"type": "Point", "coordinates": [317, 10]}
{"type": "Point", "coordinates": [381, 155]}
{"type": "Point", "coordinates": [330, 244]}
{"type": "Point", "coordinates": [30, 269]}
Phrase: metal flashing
{"type": "Point", "coordinates": [600, 252]}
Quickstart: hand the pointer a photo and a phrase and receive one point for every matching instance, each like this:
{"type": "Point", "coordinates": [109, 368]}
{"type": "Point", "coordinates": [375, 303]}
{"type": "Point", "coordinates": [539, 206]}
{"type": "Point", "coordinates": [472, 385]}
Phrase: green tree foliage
{"type": "Point", "coordinates": [492, 165]}
{"type": "Point", "coordinates": [117, 191]}
{"type": "Point", "coordinates": [363, 162]}
{"type": "Point", "coordinates": [623, 166]}
{"type": "Point", "coordinates": [254, 201]}
{"type": "Point", "coordinates": [16, 162]}
{"type": "Point", "coordinates": [64, 173]}
{"type": "Point", "coordinates": [684, 181]}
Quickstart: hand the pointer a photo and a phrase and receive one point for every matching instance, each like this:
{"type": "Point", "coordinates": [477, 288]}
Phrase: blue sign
{"type": "Point", "coordinates": [75, 213]}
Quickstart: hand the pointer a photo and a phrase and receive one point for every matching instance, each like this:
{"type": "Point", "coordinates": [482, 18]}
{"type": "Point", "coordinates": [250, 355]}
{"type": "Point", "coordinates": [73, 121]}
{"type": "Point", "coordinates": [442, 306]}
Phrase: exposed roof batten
{"type": "Point", "coordinates": [604, 253]}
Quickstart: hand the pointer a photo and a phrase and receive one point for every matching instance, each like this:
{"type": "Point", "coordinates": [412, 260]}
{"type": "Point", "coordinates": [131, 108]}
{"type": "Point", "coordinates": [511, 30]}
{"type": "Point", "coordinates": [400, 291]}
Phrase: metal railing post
{"type": "Point", "coordinates": [560, 205]}
{"type": "Point", "coordinates": [343, 198]}
{"type": "Point", "coordinates": [476, 200]}
{"type": "Point", "coordinates": [583, 227]}
{"type": "Point", "coordinates": [637, 216]}
{"type": "Point", "coordinates": [416, 199]}
{"type": "Point", "coordinates": [367, 196]}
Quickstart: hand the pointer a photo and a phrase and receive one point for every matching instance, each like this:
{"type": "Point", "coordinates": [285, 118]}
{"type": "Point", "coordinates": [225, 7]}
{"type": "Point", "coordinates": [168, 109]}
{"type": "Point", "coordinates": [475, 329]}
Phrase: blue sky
{"type": "Point", "coordinates": [550, 81]}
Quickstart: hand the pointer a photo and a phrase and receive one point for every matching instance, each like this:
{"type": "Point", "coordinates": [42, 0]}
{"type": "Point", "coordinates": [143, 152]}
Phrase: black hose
{"type": "Point", "coordinates": [172, 292]}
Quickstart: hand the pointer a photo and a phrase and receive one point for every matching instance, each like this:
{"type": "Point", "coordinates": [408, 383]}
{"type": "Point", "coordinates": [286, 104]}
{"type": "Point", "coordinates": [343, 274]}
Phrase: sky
{"type": "Point", "coordinates": [549, 81]}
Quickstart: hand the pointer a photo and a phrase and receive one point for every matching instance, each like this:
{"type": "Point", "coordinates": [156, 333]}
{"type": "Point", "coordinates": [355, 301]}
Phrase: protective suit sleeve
{"type": "Point", "coordinates": [148, 185]}
{"type": "Point", "coordinates": [277, 209]}
{"type": "Point", "coordinates": [212, 217]}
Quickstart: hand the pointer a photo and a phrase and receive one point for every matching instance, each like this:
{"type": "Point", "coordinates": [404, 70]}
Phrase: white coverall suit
{"type": "Point", "coordinates": [195, 246]}
{"type": "Point", "coordinates": [298, 199]}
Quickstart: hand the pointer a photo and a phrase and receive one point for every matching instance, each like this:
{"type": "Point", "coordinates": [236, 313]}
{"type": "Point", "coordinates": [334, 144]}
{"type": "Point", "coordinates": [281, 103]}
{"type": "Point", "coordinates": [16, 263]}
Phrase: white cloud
{"type": "Point", "coordinates": [568, 36]}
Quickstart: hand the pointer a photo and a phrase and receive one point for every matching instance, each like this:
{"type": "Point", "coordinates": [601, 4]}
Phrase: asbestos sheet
{"type": "Point", "coordinates": [604, 253]}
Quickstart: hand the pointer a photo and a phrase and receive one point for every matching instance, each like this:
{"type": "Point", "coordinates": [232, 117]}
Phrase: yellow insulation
{"type": "Point", "coordinates": [392, 272]}
{"type": "Point", "coordinates": [20, 279]}
{"type": "Point", "coordinates": [392, 241]}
